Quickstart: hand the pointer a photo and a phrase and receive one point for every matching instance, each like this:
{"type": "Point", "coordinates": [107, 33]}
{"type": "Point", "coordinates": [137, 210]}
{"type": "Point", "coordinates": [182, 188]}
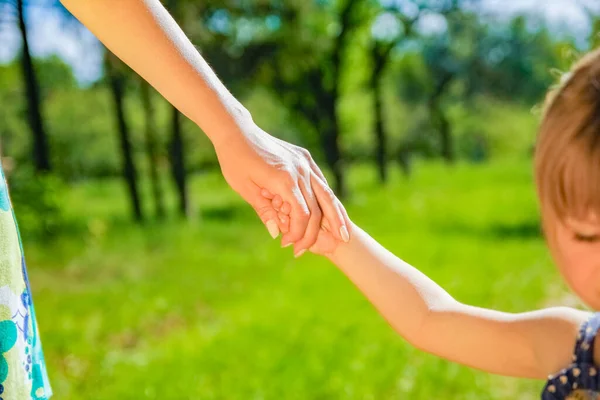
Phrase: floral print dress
{"type": "Point", "coordinates": [23, 373]}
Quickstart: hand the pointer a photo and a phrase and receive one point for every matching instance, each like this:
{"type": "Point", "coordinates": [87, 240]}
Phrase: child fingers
{"type": "Point", "coordinates": [266, 194]}
{"type": "Point", "coordinates": [284, 222]}
{"type": "Point", "coordinates": [277, 202]}
{"type": "Point", "coordinates": [286, 208]}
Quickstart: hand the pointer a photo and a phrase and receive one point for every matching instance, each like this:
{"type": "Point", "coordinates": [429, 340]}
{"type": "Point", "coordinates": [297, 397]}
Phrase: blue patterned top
{"type": "Point", "coordinates": [580, 380]}
{"type": "Point", "coordinates": [22, 369]}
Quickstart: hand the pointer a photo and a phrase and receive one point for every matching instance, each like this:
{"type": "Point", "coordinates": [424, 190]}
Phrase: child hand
{"type": "Point", "coordinates": [326, 242]}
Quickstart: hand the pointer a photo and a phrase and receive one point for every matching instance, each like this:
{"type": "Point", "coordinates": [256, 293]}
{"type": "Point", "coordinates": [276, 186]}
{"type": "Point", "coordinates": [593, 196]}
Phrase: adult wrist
{"type": "Point", "coordinates": [231, 125]}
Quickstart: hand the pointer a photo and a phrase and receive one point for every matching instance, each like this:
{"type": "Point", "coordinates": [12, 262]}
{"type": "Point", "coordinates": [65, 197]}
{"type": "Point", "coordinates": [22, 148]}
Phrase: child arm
{"type": "Point", "coordinates": [530, 345]}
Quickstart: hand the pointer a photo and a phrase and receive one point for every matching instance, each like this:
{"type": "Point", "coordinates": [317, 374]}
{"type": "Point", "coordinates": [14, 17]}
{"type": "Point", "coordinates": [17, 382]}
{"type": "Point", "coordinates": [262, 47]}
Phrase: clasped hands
{"type": "Point", "coordinates": [286, 188]}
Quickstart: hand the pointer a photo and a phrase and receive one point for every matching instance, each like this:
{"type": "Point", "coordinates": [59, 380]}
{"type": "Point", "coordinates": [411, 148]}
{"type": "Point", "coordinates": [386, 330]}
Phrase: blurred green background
{"type": "Point", "coordinates": [152, 279]}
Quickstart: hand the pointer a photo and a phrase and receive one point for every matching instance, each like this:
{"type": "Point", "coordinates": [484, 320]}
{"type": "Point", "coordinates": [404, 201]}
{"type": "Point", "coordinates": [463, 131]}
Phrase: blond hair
{"type": "Point", "coordinates": [567, 154]}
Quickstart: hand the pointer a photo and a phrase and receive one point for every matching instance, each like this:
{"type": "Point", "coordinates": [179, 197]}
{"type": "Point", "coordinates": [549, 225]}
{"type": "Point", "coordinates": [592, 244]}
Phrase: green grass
{"type": "Point", "coordinates": [216, 310]}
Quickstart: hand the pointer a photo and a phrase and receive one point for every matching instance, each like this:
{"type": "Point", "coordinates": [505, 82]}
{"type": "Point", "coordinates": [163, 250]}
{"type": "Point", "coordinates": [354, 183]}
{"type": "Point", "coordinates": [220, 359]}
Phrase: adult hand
{"type": "Point", "coordinates": [257, 160]}
{"type": "Point", "coordinates": [147, 38]}
{"type": "Point", "coordinates": [326, 243]}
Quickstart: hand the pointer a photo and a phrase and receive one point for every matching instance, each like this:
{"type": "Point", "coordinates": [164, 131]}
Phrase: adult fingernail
{"type": "Point", "coordinates": [272, 228]}
{"type": "Point", "coordinates": [287, 244]}
{"type": "Point", "coordinates": [298, 254]}
{"type": "Point", "coordinates": [344, 233]}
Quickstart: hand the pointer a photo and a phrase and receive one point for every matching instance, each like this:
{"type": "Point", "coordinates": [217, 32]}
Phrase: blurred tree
{"type": "Point", "coordinates": [329, 66]}
{"type": "Point", "coordinates": [54, 75]}
{"type": "Point", "coordinates": [11, 117]}
{"type": "Point", "coordinates": [152, 148]}
{"type": "Point", "coordinates": [214, 27]}
{"type": "Point", "coordinates": [594, 17]}
{"type": "Point", "coordinates": [116, 77]}
{"type": "Point", "coordinates": [41, 151]}
{"type": "Point", "coordinates": [257, 43]}
{"type": "Point", "coordinates": [176, 143]}
{"type": "Point", "coordinates": [444, 66]}
{"type": "Point", "coordinates": [307, 66]}
{"type": "Point", "coordinates": [595, 34]}
{"type": "Point", "coordinates": [177, 159]}
{"type": "Point", "coordinates": [381, 49]}
{"type": "Point", "coordinates": [399, 21]}
{"type": "Point", "coordinates": [515, 60]}
{"type": "Point", "coordinates": [77, 117]}
{"type": "Point", "coordinates": [452, 56]}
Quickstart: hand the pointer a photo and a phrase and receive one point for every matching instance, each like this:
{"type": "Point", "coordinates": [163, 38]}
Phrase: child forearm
{"type": "Point", "coordinates": [145, 37]}
{"type": "Point", "coordinates": [400, 292]}
{"type": "Point", "coordinates": [526, 345]}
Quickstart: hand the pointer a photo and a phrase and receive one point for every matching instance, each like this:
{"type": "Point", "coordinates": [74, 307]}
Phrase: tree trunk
{"type": "Point", "coordinates": [331, 147]}
{"type": "Point", "coordinates": [447, 148]}
{"type": "Point", "coordinates": [41, 153]}
{"type": "Point", "coordinates": [326, 120]}
{"type": "Point", "coordinates": [117, 88]}
{"type": "Point", "coordinates": [178, 163]}
{"type": "Point", "coordinates": [380, 54]}
{"type": "Point", "coordinates": [442, 126]}
{"type": "Point", "coordinates": [332, 153]}
{"type": "Point", "coordinates": [440, 120]}
{"type": "Point", "coordinates": [331, 93]}
{"type": "Point", "coordinates": [321, 84]}
{"type": "Point", "coordinates": [177, 152]}
{"type": "Point", "coordinates": [381, 140]}
{"type": "Point", "coordinates": [152, 149]}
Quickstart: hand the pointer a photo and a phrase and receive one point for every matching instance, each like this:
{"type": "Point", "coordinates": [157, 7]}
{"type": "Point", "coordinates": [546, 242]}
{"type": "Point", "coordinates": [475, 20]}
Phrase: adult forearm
{"type": "Point", "coordinates": [144, 36]}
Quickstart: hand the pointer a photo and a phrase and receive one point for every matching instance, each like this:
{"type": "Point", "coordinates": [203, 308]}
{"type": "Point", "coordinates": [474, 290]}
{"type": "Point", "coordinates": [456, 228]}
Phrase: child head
{"type": "Point", "coordinates": [567, 172]}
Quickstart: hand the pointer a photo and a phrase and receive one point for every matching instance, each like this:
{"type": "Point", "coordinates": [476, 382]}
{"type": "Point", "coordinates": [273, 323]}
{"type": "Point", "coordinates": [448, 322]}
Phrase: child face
{"type": "Point", "coordinates": [575, 246]}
